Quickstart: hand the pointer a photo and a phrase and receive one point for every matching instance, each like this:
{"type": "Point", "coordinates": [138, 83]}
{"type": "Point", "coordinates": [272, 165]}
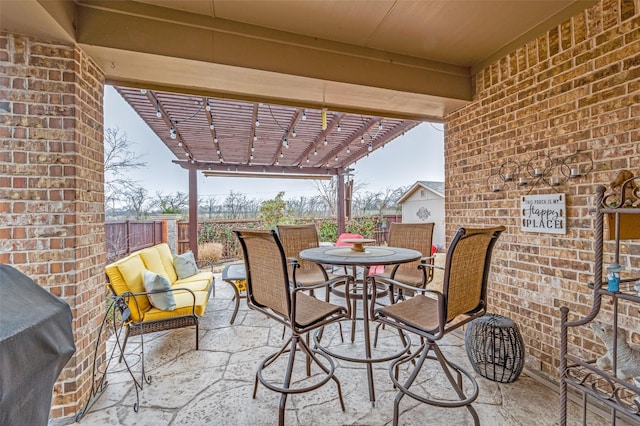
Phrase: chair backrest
{"type": "Point", "coordinates": [295, 238]}
{"type": "Point", "coordinates": [266, 266]}
{"type": "Point", "coordinates": [415, 236]}
{"type": "Point", "coordinates": [467, 270]}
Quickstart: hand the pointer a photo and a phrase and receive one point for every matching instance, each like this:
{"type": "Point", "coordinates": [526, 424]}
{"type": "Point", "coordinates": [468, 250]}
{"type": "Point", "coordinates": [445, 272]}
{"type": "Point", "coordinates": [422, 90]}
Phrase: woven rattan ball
{"type": "Point", "coordinates": [495, 348]}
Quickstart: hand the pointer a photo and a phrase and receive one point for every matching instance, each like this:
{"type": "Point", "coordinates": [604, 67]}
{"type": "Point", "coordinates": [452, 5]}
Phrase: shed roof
{"type": "Point", "coordinates": [435, 187]}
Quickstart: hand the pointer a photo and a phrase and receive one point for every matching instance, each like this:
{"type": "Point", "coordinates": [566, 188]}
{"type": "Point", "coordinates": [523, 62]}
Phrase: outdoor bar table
{"type": "Point", "coordinates": [371, 255]}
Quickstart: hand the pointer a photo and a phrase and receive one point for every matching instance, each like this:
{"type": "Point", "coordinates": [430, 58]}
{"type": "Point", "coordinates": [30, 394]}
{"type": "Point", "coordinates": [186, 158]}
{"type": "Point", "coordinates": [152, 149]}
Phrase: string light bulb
{"type": "Point", "coordinates": [180, 143]}
{"type": "Point", "coordinates": [158, 113]}
{"type": "Point", "coordinates": [348, 150]}
{"type": "Point", "coordinates": [208, 107]}
{"type": "Point", "coordinates": [285, 143]}
{"type": "Point", "coordinates": [215, 139]}
{"type": "Point", "coordinates": [380, 125]}
{"type": "Point", "coordinates": [304, 115]}
{"type": "Point", "coordinates": [255, 137]}
{"type": "Point", "coordinates": [339, 127]}
{"type": "Point", "coordinates": [294, 134]}
{"type": "Point", "coordinates": [315, 151]}
{"type": "Point", "coordinates": [325, 142]}
{"type": "Point", "coordinates": [307, 159]}
{"type": "Point", "coordinates": [257, 122]}
{"type": "Point", "coordinates": [172, 132]}
{"type": "Point", "coordinates": [281, 154]}
{"type": "Point", "coordinates": [252, 148]}
{"type": "Point", "coordinates": [211, 126]}
{"type": "Point", "coordinates": [370, 147]}
{"type": "Point", "coordinates": [336, 158]}
{"type": "Point", "coordinates": [362, 139]}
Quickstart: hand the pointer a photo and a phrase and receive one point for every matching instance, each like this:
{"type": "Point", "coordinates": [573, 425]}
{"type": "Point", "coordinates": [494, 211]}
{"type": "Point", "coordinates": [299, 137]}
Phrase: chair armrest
{"type": "Point", "coordinates": [205, 264]}
{"type": "Point", "coordinates": [129, 295]}
{"type": "Point", "coordinates": [429, 265]}
{"type": "Point", "coordinates": [398, 284]}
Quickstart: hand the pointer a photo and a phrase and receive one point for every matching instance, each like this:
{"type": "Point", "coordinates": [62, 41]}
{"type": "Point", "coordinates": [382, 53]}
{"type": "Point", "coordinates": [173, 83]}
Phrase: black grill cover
{"type": "Point", "coordinates": [36, 341]}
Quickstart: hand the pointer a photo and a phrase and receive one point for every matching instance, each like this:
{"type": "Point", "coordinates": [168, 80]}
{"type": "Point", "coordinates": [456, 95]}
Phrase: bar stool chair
{"type": "Point", "coordinates": [271, 291]}
{"type": "Point", "coordinates": [432, 315]}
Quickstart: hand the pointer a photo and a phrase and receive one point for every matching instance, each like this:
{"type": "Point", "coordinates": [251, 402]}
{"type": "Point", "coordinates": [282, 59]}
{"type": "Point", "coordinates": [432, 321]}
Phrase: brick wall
{"type": "Point", "coordinates": [575, 88]}
{"type": "Point", "coordinates": [51, 188]}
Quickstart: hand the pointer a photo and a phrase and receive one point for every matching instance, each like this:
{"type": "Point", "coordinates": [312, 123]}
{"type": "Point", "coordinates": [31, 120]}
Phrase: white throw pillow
{"type": "Point", "coordinates": [165, 300]}
{"type": "Point", "coordinates": [185, 265]}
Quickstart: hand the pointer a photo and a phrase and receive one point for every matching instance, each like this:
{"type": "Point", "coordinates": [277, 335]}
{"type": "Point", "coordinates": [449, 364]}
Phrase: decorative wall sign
{"type": "Point", "coordinates": [544, 213]}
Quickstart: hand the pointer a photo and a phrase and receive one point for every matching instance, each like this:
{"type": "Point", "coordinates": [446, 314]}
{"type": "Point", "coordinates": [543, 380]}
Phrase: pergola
{"type": "Point", "coordinates": [235, 138]}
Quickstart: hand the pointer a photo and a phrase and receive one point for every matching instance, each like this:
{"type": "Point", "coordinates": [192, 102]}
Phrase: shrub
{"type": "Point", "coordinates": [210, 251]}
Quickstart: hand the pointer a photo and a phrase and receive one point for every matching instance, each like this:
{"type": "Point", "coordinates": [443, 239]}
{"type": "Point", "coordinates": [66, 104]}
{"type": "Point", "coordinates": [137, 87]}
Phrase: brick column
{"type": "Point", "coordinates": [52, 188]}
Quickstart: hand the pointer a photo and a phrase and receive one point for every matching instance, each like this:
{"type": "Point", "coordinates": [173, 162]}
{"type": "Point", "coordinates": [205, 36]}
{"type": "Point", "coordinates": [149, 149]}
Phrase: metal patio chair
{"type": "Point", "coordinates": [271, 291]}
{"type": "Point", "coordinates": [416, 236]}
{"type": "Point", "coordinates": [294, 239]}
{"type": "Point", "coordinates": [433, 314]}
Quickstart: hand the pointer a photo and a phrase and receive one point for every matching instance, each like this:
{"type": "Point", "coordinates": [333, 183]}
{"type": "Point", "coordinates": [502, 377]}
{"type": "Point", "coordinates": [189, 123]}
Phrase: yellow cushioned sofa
{"type": "Point", "coordinates": [125, 278]}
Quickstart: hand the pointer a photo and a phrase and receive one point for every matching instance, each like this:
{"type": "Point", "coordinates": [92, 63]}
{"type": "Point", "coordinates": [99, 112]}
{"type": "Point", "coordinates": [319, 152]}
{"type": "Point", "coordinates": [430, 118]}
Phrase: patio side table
{"type": "Point", "coordinates": [495, 348]}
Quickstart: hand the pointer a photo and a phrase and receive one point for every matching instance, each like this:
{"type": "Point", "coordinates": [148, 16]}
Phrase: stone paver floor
{"type": "Point", "coordinates": [213, 386]}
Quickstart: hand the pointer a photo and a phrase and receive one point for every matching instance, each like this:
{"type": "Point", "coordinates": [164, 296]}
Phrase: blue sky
{"type": "Point", "coordinates": [418, 155]}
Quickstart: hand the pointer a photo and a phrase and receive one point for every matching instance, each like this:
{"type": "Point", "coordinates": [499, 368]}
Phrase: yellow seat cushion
{"type": "Point", "coordinates": [200, 276]}
{"type": "Point", "coordinates": [131, 269]}
{"type": "Point", "coordinates": [167, 260]}
{"type": "Point", "coordinates": [193, 285]}
{"type": "Point", "coordinates": [184, 303]}
{"type": "Point", "coordinates": [153, 262]}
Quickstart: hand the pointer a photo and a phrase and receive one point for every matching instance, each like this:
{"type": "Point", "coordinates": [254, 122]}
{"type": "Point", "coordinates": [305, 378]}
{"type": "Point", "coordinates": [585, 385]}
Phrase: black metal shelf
{"type": "Point", "coordinates": [620, 396]}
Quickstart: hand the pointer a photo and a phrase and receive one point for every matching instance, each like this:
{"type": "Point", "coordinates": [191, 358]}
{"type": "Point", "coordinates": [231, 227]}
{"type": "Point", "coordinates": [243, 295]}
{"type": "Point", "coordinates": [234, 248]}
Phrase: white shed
{"type": "Point", "coordinates": [424, 202]}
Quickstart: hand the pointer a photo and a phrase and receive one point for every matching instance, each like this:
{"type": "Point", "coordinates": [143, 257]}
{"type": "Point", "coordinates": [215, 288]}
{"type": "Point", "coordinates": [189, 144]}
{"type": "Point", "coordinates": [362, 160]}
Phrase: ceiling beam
{"type": "Point", "coordinates": [211, 168]}
{"type": "Point", "coordinates": [164, 48]}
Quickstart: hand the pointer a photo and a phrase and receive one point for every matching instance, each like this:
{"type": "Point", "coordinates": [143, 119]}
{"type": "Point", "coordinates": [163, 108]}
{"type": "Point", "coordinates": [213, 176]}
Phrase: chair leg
{"type": "Point", "coordinates": [308, 357]}
{"type": "Point", "coordinates": [197, 334]}
{"type": "Point", "coordinates": [287, 379]}
{"type": "Point", "coordinates": [457, 385]}
{"type": "Point", "coordinates": [268, 362]}
{"type": "Point", "coordinates": [291, 346]}
{"type": "Point", "coordinates": [124, 344]}
{"type": "Point", "coordinates": [446, 366]}
{"type": "Point", "coordinates": [310, 353]}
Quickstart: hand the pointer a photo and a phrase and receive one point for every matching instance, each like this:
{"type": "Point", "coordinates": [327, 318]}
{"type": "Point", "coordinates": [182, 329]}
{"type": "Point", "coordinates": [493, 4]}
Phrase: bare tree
{"type": "Point", "coordinates": [364, 201]}
{"type": "Point", "coordinates": [328, 193]}
{"type": "Point", "coordinates": [209, 206]}
{"type": "Point", "coordinates": [235, 204]}
{"type": "Point", "coordinates": [388, 198]}
{"type": "Point", "coordinates": [137, 200]}
{"type": "Point", "coordinates": [119, 160]}
{"type": "Point", "coordinates": [300, 206]}
{"type": "Point", "coordinates": [172, 203]}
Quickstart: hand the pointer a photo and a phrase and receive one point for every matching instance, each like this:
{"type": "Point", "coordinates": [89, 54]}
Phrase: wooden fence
{"type": "Point", "coordinates": [221, 231]}
{"type": "Point", "coordinates": [126, 236]}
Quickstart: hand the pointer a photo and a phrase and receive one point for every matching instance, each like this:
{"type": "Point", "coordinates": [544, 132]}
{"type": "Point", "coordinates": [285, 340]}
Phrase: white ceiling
{"type": "Point", "coordinates": [395, 58]}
